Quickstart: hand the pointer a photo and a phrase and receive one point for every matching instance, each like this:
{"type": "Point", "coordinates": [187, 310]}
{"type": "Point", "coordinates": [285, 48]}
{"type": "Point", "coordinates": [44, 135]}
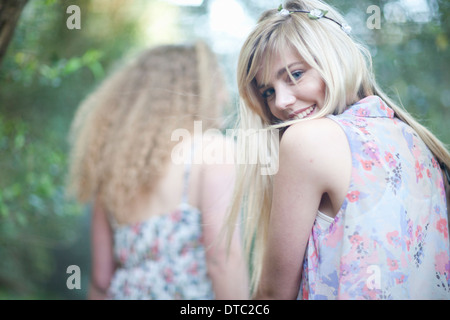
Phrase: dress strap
{"type": "Point", "coordinates": [187, 174]}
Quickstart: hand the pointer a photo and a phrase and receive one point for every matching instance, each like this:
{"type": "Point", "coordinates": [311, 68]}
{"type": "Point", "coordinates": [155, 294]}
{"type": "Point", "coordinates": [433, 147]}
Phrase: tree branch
{"type": "Point", "coordinates": [10, 11]}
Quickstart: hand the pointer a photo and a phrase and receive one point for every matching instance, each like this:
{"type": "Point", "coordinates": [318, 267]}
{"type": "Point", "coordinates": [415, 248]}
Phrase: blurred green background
{"type": "Point", "coordinates": [49, 69]}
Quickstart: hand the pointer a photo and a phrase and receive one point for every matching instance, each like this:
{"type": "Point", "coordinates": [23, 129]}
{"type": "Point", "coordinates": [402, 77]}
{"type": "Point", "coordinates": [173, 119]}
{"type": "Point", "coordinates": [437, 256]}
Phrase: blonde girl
{"type": "Point", "coordinates": [357, 209]}
{"type": "Point", "coordinates": [155, 221]}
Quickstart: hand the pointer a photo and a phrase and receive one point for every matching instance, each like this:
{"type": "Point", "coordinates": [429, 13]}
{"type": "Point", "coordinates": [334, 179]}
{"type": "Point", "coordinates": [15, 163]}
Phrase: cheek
{"type": "Point", "coordinates": [316, 87]}
{"type": "Point", "coordinates": [269, 111]}
{"type": "Point", "coordinates": [273, 111]}
{"type": "Point", "coordinates": [319, 87]}
{"type": "Point", "coordinates": [320, 92]}
{"type": "Point", "coordinates": [274, 114]}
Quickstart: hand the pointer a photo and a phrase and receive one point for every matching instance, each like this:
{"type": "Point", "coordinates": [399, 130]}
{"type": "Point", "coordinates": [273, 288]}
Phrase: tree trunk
{"type": "Point", "coordinates": [10, 11]}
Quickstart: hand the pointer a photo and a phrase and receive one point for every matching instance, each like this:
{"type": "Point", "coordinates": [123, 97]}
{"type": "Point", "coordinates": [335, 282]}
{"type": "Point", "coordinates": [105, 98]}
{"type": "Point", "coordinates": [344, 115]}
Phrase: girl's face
{"type": "Point", "coordinates": [292, 98]}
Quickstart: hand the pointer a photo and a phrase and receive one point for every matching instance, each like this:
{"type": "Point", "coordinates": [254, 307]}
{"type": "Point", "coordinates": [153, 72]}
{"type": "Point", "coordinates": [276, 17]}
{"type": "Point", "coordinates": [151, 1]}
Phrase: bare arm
{"type": "Point", "coordinates": [304, 176]}
{"type": "Point", "coordinates": [227, 269]}
{"type": "Point", "coordinates": [102, 253]}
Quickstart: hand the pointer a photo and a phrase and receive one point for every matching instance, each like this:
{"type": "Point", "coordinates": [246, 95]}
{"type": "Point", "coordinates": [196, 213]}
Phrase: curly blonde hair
{"type": "Point", "coordinates": [121, 134]}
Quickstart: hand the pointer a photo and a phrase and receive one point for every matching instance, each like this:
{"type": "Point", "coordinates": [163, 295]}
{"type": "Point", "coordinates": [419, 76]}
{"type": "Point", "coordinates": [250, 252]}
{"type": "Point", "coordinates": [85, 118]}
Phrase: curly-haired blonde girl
{"type": "Point", "coordinates": [155, 222]}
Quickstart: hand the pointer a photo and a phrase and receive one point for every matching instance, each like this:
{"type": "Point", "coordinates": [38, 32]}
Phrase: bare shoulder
{"type": "Point", "coordinates": [316, 136]}
{"type": "Point", "coordinates": [315, 147]}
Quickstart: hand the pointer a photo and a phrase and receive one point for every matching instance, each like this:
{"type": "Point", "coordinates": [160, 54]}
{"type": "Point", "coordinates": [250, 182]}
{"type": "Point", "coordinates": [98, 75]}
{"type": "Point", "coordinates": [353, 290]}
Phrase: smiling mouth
{"type": "Point", "coordinates": [302, 114]}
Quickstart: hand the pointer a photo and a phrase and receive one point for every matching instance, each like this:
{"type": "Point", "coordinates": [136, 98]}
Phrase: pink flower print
{"type": "Point", "coordinates": [370, 293]}
{"type": "Point", "coordinates": [314, 259]}
{"type": "Point", "coordinates": [400, 279]}
{"type": "Point", "coordinates": [392, 263]}
{"type": "Point", "coordinates": [428, 173]}
{"type": "Point", "coordinates": [349, 269]}
{"type": "Point", "coordinates": [388, 156]}
{"type": "Point", "coordinates": [434, 162]}
{"type": "Point", "coordinates": [155, 248]}
{"type": "Point", "coordinates": [390, 159]}
{"type": "Point", "coordinates": [371, 150]}
{"type": "Point", "coordinates": [437, 209]}
{"type": "Point", "coordinates": [363, 112]}
{"type": "Point", "coordinates": [345, 270]}
{"type": "Point", "coordinates": [193, 269]}
{"type": "Point", "coordinates": [185, 250]}
{"type": "Point", "coordinates": [123, 255]}
{"type": "Point", "coordinates": [404, 259]}
{"type": "Point", "coordinates": [415, 149]}
{"type": "Point", "coordinates": [392, 238]}
{"type": "Point", "coordinates": [126, 289]}
{"type": "Point", "coordinates": [363, 130]}
{"type": "Point", "coordinates": [168, 274]}
{"type": "Point", "coordinates": [353, 196]}
{"type": "Point", "coordinates": [408, 243]}
{"type": "Point", "coordinates": [355, 239]}
{"type": "Point", "coordinates": [334, 236]}
{"type": "Point", "coordinates": [419, 174]}
{"type": "Point", "coordinates": [442, 263]}
{"type": "Point", "coordinates": [367, 165]}
{"type": "Point", "coordinates": [440, 186]}
{"type": "Point", "coordinates": [441, 226]}
{"type": "Point", "coordinates": [136, 228]}
{"type": "Point", "coordinates": [176, 216]}
{"type": "Point", "coordinates": [305, 291]}
{"type": "Point", "coordinates": [418, 231]}
{"type": "Point", "coordinates": [390, 112]}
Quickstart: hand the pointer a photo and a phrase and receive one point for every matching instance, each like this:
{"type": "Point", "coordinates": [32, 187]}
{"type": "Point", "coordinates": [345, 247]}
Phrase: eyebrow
{"type": "Point", "coordinates": [281, 72]}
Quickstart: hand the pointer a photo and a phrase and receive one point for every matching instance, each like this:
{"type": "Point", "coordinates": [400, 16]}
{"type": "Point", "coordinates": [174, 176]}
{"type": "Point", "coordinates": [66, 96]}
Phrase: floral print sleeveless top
{"type": "Point", "coordinates": [162, 258]}
{"type": "Point", "coordinates": [390, 238]}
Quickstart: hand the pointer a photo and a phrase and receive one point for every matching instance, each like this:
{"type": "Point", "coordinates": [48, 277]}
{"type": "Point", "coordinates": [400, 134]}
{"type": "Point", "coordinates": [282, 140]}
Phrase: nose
{"type": "Point", "coordinates": [284, 97]}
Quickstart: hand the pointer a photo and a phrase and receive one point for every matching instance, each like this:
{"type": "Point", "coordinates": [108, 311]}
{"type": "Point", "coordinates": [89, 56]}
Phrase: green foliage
{"type": "Point", "coordinates": [53, 74]}
{"type": "Point", "coordinates": [413, 68]}
{"type": "Point", "coordinates": [48, 70]}
{"type": "Point", "coordinates": [31, 60]}
{"type": "Point", "coordinates": [34, 216]}
{"type": "Point", "coordinates": [40, 87]}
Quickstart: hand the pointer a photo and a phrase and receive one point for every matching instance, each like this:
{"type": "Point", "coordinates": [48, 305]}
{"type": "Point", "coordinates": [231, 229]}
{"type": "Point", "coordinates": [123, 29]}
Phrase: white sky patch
{"type": "Point", "coordinates": [228, 24]}
{"type": "Point", "coordinates": [194, 3]}
{"type": "Point", "coordinates": [416, 10]}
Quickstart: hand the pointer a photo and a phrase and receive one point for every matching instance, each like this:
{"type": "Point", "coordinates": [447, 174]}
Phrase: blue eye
{"type": "Point", "coordinates": [297, 74]}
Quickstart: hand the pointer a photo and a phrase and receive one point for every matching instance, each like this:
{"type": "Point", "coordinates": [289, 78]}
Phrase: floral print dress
{"type": "Point", "coordinates": [162, 258]}
{"type": "Point", "coordinates": [390, 238]}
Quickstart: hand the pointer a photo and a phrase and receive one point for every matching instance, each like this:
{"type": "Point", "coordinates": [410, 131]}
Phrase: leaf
{"type": "Point", "coordinates": [72, 65]}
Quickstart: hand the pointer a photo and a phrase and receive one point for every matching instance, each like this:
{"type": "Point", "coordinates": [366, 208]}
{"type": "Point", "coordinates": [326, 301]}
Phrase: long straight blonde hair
{"type": "Point", "coordinates": [346, 69]}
